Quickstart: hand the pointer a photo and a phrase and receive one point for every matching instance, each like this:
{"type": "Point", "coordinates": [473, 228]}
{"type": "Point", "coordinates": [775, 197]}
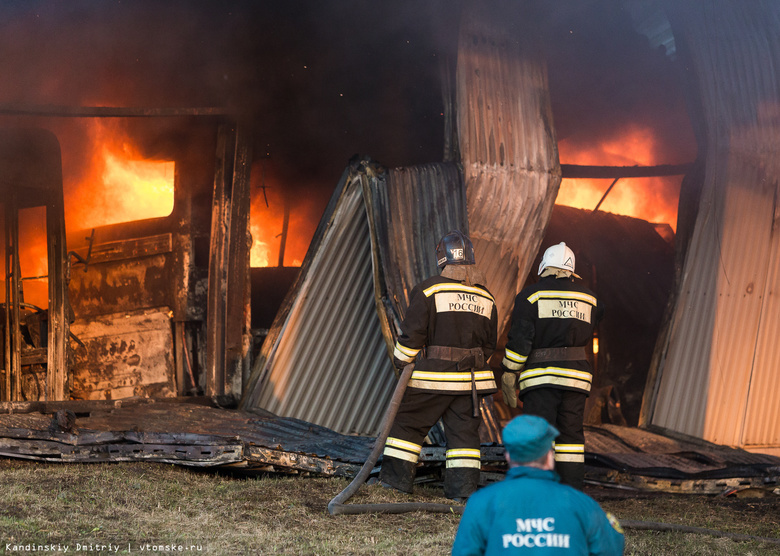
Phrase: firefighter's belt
{"type": "Point", "coordinates": [557, 354]}
{"type": "Point", "coordinates": [461, 355]}
{"type": "Point", "coordinates": [465, 360]}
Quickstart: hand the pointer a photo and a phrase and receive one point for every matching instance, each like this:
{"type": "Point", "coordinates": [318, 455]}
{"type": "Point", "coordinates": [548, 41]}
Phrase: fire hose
{"type": "Point", "coordinates": [338, 505]}
{"type": "Point", "coordinates": [670, 527]}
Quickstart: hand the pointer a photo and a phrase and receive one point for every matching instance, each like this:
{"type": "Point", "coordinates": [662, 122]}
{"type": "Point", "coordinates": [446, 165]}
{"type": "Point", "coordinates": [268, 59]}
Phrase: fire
{"type": "Point", "coordinates": [33, 257]}
{"type": "Point", "coordinates": [651, 199]}
{"type": "Point", "coordinates": [118, 184]}
{"type": "Point", "coordinates": [260, 254]}
{"type": "Point", "coordinates": [143, 189]}
{"type": "Point", "coordinates": [271, 199]}
{"type": "Point", "coordinates": [106, 181]}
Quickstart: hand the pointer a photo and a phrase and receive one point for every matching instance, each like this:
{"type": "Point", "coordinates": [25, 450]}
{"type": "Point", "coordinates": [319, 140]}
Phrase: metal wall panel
{"type": "Point", "coordinates": [762, 423]}
{"type": "Point", "coordinates": [411, 212]}
{"type": "Point", "coordinates": [508, 147]}
{"type": "Point", "coordinates": [330, 363]}
{"type": "Point", "coordinates": [326, 359]}
{"type": "Point", "coordinates": [720, 354]}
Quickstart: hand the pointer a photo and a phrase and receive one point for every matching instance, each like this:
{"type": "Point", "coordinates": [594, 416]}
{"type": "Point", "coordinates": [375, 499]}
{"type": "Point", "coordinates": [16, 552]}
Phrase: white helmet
{"type": "Point", "coordinates": [558, 256]}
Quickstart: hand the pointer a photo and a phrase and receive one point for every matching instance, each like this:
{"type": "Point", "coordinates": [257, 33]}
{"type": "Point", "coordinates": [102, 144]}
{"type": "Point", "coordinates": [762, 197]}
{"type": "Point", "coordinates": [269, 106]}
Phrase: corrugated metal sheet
{"type": "Point", "coordinates": [411, 212]}
{"type": "Point", "coordinates": [325, 359]}
{"type": "Point", "coordinates": [762, 417]}
{"type": "Point", "coordinates": [721, 356]}
{"type": "Point", "coordinates": [508, 147]}
{"type": "Point", "coordinates": [328, 363]}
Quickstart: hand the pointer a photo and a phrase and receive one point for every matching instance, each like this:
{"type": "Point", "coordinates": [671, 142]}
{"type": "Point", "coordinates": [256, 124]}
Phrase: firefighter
{"type": "Point", "coordinates": [530, 511]}
{"type": "Point", "coordinates": [545, 356]}
{"type": "Point", "coordinates": [449, 332]}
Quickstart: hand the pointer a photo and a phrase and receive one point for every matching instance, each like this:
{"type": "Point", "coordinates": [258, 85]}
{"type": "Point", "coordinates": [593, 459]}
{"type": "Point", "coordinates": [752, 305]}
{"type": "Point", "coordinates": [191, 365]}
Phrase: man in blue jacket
{"type": "Point", "coordinates": [531, 511]}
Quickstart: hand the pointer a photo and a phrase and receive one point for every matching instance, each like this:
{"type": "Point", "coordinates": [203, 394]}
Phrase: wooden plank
{"type": "Point", "coordinates": [200, 455]}
{"type": "Point", "coordinates": [301, 462]}
{"type": "Point", "coordinates": [218, 266]}
{"type": "Point", "coordinates": [632, 481]}
{"type": "Point", "coordinates": [34, 356]}
{"type": "Point", "coordinates": [77, 406]}
{"type": "Point", "coordinates": [124, 354]}
{"type": "Point", "coordinates": [238, 298]}
{"type": "Point", "coordinates": [11, 434]}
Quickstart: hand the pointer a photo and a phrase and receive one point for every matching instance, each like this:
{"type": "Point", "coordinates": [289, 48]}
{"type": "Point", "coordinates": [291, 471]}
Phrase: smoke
{"type": "Point", "coordinates": [325, 80]}
{"type": "Point", "coordinates": [604, 76]}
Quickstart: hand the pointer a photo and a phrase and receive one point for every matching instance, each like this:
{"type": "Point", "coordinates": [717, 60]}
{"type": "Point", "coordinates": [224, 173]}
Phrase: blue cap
{"type": "Point", "coordinates": [528, 438]}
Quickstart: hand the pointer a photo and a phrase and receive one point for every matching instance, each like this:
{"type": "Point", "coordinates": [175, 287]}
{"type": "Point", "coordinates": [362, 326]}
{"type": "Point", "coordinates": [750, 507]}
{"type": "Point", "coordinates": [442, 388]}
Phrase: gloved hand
{"type": "Point", "coordinates": [509, 388]}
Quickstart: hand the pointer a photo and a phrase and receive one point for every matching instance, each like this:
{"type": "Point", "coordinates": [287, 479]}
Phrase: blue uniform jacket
{"type": "Point", "coordinates": [530, 512]}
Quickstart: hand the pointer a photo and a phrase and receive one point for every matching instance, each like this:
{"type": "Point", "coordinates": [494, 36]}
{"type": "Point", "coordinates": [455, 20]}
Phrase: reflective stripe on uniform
{"type": "Point", "coordinates": [429, 380]}
{"type": "Point", "coordinates": [404, 353]}
{"type": "Point", "coordinates": [555, 376]}
{"type": "Point", "coordinates": [570, 453]}
{"type": "Point", "coordinates": [401, 449]}
{"type": "Point", "coordinates": [562, 294]}
{"type": "Point", "coordinates": [513, 360]}
{"type": "Point", "coordinates": [464, 457]}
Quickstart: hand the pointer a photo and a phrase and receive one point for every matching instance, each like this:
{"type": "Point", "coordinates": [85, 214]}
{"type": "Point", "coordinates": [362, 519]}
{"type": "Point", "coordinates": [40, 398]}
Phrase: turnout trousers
{"type": "Point", "coordinates": [417, 413]}
{"type": "Point", "coordinates": [565, 410]}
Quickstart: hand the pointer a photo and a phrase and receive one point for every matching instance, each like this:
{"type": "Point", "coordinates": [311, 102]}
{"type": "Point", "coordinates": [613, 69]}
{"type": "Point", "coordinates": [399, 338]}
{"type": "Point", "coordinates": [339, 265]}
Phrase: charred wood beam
{"type": "Point", "coordinates": [301, 462]}
{"type": "Point", "coordinates": [285, 225]}
{"type": "Point", "coordinates": [228, 296]}
{"type": "Point", "coordinates": [192, 455]}
{"type": "Point", "coordinates": [570, 171]}
{"type": "Point", "coordinates": [634, 481]}
{"type": "Point", "coordinates": [34, 356]}
{"type": "Point", "coordinates": [90, 406]}
{"type": "Point", "coordinates": [94, 438]}
{"type": "Point", "coordinates": [605, 194]}
{"type": "Point", "coordinates": [125, 249]}
{"type": "Point", "coordinates": [108, 111]}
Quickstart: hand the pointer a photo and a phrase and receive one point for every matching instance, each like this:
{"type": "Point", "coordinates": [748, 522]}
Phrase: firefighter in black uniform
{"type": "Point", "coordinates": [545, 356]}
{"type": "Point", "coordinates": [449, 332]}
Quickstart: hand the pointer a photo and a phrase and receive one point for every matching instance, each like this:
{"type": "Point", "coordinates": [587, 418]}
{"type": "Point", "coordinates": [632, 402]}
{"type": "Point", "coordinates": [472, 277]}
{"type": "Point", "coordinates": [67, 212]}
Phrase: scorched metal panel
{"type": "Point", "coordinates": [722, 364]}
{"type": "Point", "coordinates": [327, 357]}
{"type": "Point", "coordinates": [508, 146]}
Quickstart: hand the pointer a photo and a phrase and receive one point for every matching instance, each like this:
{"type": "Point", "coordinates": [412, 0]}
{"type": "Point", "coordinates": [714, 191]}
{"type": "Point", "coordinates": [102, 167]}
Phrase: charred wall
{"type": "Point", "coordinates": [139, 302]}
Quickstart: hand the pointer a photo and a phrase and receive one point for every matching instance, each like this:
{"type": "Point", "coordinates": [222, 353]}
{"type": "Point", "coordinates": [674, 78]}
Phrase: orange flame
{"type": "Point", "coordinates": [269, 195]}
{"type": "Point", "coordinates": [119, 185]}
{"type": "Point", "coordinates": [105, 182]}
{"type": "Point", "coordinates": [651, 199]}
{"type": "Point", "coordinates": [143, 189]}
{"type": "Point", "coordinates": [33, 256]}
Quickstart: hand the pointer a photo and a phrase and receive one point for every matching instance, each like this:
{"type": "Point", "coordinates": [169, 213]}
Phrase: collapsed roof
{"type": "Point", "coordinates": [715, 361]}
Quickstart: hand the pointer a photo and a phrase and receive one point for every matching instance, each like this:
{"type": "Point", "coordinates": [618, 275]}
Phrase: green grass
{"type": "Point", "coordinates": [133, 505]}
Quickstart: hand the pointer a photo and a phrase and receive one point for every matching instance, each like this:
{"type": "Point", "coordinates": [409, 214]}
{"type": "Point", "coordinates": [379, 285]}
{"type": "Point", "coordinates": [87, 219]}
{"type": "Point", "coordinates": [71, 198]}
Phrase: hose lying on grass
{"type": "Point", "coordinates": [668, 527]}
{"type": "Point", "coordinates": [338, 506]}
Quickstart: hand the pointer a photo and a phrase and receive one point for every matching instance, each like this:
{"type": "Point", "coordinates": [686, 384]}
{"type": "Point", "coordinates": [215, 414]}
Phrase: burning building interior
{"type": "Point", "coordinates": [185, 248]}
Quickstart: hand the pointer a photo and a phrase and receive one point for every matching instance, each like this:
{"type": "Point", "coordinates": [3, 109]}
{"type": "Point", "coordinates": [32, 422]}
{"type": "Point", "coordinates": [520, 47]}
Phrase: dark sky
{"type": "Point", "coordinates": [323, 80]}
